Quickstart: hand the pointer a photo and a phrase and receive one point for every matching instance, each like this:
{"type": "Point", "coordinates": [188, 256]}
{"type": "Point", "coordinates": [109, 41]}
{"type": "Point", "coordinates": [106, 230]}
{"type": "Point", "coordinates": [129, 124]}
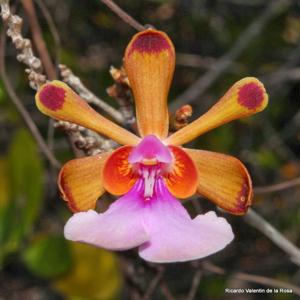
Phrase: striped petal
{"type": "Point", "coordinates": [118, 175]}
{"type": "Point", "coordinates": [80, 181]}
{"type": "Point", "coordinates": [149, 63]}
{"type": "Point", "coordinates": [245, 98]}
{"type": "Point", "coordinates": [58, 101]}
{"type": "Point", "coordinates": [224, 180]}
{"type": "Point", "coordinates": [183, 178]}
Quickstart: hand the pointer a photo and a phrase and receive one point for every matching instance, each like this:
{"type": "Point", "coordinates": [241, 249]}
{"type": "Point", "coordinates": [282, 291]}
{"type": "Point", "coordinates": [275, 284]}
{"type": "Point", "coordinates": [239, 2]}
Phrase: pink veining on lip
{"type": "Point", "coordinates": [52, 97]}
{"type": "Point", "coordinates": [251, 95]}
{"type": "Point", "coordinates": [149, 42]}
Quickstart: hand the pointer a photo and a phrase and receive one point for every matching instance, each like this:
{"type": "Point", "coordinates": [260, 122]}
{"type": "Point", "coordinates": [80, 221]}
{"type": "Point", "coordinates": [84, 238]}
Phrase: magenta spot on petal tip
{"type": "Point", "coordinates": [52, 97]}
{"type": "Point", "coordinates": [150, 42]}
{"type": "Point", "coordinates": [251, 95]}
{"type": "Point", "coordinates": [242, 199]}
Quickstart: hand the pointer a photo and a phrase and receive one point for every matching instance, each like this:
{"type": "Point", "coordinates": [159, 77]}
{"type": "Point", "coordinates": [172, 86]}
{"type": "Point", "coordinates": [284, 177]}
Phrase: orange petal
{"type": "Point", "coordinates": [80, 181]}
{"type": "Point", "coordinates": [149, 63]}
{"type": "Point", "coordinates": [245, 98]}
{"type": "Point", "coordinates": [183, 178]}
{"type": "Point", "coordinates": [57, 100]}
{"type": "Point", "coordinates": [118, 176]}
{"type": "Point", "coordinates": [224, 180]}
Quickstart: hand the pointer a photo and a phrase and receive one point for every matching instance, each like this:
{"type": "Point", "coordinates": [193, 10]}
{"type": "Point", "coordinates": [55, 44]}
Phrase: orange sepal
{"type": "Point", "coordinates": [149, 63]}
{"type": "Point", "coordinates": [183, 177]}
{"type": "Point", "coordinates": [245, 98]}
{"type": "Point", "coordinates": [57, 100]}
{"type": "Point", "coordinates": [224, 180]}
{"type": "Point", "coordinates": [118, 175]}
{"type": "Point", "coordinates": [80, 182]}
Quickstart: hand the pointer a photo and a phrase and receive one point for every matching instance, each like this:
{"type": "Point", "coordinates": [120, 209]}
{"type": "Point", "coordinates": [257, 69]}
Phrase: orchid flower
{"type": "Point", "coordinates": [152, 170]}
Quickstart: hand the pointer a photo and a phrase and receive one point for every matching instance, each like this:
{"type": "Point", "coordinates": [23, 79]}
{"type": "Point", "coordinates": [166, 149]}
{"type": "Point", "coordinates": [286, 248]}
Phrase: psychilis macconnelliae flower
{"type": "Point", "coordinates": [151, 170]}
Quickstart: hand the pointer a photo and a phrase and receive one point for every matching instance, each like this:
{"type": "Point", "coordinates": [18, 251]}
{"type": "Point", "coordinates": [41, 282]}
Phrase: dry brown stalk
{"type": "Point", "coordinates": [202, 84]}
{"type": "Point", "coordinates": [23, 46]}
{"type": "Point", "coordinates": [38, 39]}
{"type": "Point", "coordinates": [20, 107]}
{"type": "Point", "coordinates": [120, 91]}
{"type": "Point", "coordinates": [281, 186]}
{"type": "Point", "coordinates": [258, 222]}
{"type": "Point", "coordinates": [37, 78]}
{"type": "Point", "coordinates": [75, 82]}
{"type": "Point", "coordinates": [123, 15]}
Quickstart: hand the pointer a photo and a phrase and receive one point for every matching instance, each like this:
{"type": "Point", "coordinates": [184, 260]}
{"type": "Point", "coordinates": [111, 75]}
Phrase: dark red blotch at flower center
{"type": "Point", "coordinates": [251, 95]}
{"type": "Point", "coordinates": [53, 97]}
{"type": "Point", "coordinates": [150, 42]}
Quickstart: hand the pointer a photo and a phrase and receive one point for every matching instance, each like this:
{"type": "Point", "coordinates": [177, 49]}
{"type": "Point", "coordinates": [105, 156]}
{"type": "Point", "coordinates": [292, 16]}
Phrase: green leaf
{"type": "Point", "coordinates": [95, 274]}
{"type": "Point", "coordinates": [267, 159]}
{"type": "Point", "coordinates": [4, 199]}
{"type": "Point", "coordinates": [221, 139]}
{"type": "Point", "coordinates": [2, 94]}
{"type": "Point", "coordinates": [25, 176]}
{"type": "Point", "coordinates": [4, 183]}
{"type": "Point", "coordinates": [48, 257]}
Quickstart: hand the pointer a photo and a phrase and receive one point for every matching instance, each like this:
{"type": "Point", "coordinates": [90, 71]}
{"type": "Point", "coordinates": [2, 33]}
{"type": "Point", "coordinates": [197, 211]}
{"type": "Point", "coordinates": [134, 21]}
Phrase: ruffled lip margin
{"type": "Point", "coordinates": [161, 228]}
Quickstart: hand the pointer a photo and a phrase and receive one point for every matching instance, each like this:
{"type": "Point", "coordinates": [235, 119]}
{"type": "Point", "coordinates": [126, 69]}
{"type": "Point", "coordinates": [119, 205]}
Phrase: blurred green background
{"type": "Point", "coordinates": [36, 262]}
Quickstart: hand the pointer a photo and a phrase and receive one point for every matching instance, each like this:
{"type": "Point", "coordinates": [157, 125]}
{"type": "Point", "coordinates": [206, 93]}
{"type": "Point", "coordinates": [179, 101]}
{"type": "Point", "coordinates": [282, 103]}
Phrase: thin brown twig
{"type": "Point", "coordinates": [53, 29]}
{"type": "Point", "coordinates": [131, 278]}
{"type": "Point", "coordinates": [203, 62]}
{"type": "Point", "coordinates": [277, 78]}
{"type": "Point", "coordinates": [20, 107]}
{"type": "Point", "coordinates": [23, 46]}
{"type": "Point", "coordinates": [123, 15]}
{"type": "Point", "coordinates": [194, 60]}
{"type": "Point", "coordinates": [57, 46]}
{"type": "Point", "coordinates": [120, 91]}
{"type": "Point", "coordinates": [204, 82]}
{"type": "Point", "coordinates": [277, 143]}
{"type": "Point", "coordinates": [72, 80]}
{"type": "Point", "coordinates": [251, 278]}
{"type": "Point", "coordinates": [166, 291]}
{"type": "Point", "coordinates": [267, 281]}
{"type": "Point", "coordinates": [278, 186]}
{"type": "Point", "coordinates": [153, 284]}
{"type": "Point", "coordinates": [255, 220]}
{"type": "Point", "coordinates": [26, 56]}
{"type": "Point", "coordinates": [36, 77]}
{"type": "Point", "coordinates": [38, 39]}
{"type": "Point", "coordinates": [195, 284]}
{"type": "Point", "coordinates": [80, 145]}
{"type": "Point", "coordinates": [42, 50]}
{"type": "Point", "coordinates": [275, 139]}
